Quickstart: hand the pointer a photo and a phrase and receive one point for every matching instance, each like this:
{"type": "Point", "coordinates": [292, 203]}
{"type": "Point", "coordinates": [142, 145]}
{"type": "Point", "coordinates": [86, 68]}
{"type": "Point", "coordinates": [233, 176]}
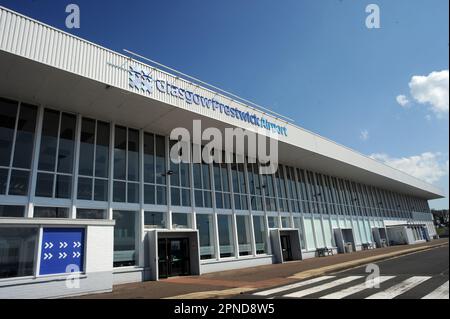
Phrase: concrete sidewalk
{"type": "Point", "coordinates": [229, 283]}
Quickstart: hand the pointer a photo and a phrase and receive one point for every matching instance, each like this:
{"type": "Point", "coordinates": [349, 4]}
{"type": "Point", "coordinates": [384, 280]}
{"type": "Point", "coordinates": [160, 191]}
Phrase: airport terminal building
{"type": "Point", "coordinates": [88, 189]}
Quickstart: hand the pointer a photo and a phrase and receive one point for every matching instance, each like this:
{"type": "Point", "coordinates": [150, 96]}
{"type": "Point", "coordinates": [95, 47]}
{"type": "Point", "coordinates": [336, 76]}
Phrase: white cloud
{"type": "Point", "coordinates": [429, 167]}
{"type": "Point", "coordinates": [432, 90]}
{"type": "Point", "coordinates": [402, 100]}
{"type": "Point", "coordinates": [364, 135]}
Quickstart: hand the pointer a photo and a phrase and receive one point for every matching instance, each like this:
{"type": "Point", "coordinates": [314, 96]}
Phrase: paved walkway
{"type": "Point", "coordinates": [233, 282]}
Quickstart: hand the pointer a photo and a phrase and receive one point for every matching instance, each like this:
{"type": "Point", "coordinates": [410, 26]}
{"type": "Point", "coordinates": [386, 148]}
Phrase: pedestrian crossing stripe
{"type": "Point", "coordinates": [442, 292]}
{"type": "Point", "coordinates": [439, 293]}
{"type": "Point", "coordinates": [370, 284]}
{"type": "Point", "coordinates": [292, 286]}
{"type": "Point", "coordinates": [400, 288]}
{"type": "Point", "coordinates": [322, 287]}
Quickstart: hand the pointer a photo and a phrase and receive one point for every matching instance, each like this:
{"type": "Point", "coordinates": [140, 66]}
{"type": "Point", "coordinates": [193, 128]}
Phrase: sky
{"type": "Point", "coordinates": [381, 91]}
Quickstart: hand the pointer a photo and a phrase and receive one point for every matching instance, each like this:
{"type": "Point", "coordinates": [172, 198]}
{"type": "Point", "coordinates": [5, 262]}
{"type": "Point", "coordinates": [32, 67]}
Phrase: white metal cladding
{"type": "Point", "coordinates": [33, 40]}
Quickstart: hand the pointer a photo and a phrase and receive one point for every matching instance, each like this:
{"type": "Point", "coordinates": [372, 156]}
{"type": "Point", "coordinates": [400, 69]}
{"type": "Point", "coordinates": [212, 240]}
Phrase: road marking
{"type": "Point", "coordinates": [400, 289]}
{"type": "Point", "coordinates": [355, 289]}
{"type": "Point", "coordinates": [439, 293]}
{"type": "Point", "coordinates": [292, 286]}
{"type": "Point", "coordinates": [319, 288]}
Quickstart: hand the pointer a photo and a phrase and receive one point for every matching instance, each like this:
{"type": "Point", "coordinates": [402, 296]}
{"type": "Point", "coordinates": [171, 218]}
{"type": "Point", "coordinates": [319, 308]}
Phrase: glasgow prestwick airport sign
{"type": "Point", "coordinates": [144, 82]}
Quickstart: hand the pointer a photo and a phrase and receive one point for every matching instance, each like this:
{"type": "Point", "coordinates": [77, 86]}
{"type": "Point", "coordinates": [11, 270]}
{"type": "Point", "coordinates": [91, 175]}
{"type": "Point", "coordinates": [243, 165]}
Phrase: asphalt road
{"type": "Point", "coordinates": [415, 276]}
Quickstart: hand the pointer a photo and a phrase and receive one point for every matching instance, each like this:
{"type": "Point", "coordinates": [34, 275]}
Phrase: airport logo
{"type": "Point", "coordinates": [143, 82]}
{"type": "Point", "coordinates": [140, 80]}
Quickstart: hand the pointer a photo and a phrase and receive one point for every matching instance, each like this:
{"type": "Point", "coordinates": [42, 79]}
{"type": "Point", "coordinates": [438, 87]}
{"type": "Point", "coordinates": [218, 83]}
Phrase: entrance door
{"type": "Point", "coordinates": [286, 247]}
{"type": "Point", "coordinates": [173, 257]}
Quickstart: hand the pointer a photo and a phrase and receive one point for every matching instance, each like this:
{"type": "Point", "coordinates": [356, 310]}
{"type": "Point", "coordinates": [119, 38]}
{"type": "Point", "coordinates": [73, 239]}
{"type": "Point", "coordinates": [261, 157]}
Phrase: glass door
{"type": "Point", "coordinates": [286, 247]}
{"type": "Point", "coordinates": [173, 257]}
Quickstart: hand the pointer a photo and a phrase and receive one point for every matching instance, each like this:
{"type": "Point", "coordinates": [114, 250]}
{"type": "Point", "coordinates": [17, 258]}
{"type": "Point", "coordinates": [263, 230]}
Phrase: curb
{"type": "Point", "coordinates": [360, 262]}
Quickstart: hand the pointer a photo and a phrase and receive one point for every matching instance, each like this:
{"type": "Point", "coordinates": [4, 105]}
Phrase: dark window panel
{"type": "Point", "coordinates": [149, 194]}
{"type": "Point", "coordinates": [8, 113]}
{"type": "Point", "coordinates": [161, 195]}
{"type": "Point", "coordinates": [44, 185]}
{"type": "Point", "coordinates": [51, 212]}
{"type": "Point", "coordinates": [18, 184]}
{"type": "Point", "coordinates": [133, 155]}
{"type": "Point", "coordinates": [87, 140]}
{"type": "Point", "coordinates": [66, 143]}
{"type": "Point", "coordinates": [91, 214]}
{"type": "Point", "coordinates": [12, 211]}
{"type": "Point", "coordinates": [49, 139]}
{"type": "Point", "coordinates": [23, 151]}
{"type": "Point", "coordinates": [120, 152]}
{"type": "Point", "coordinates": [175, 196]}
{"type": "Point", "coordinates": [101, 190]}
{"type": "Point", "coordinates": [63, 186]}
{"type": "Point", "coordinates": [133, 193]}
{"type": "Point", "coordinates": [149, 158]}
{"type": "Point", "coordinates": [3, 180]}
{"type": "Point", "coordinates": [18, 251]}
{"type": "Point", "coordinates": [85, 188]}
{"type": "Point", "coordinates": [102, 150]}
{"type": "Point", "coordinates": [119, 192]}
{"type": "Point", "coordinates": [160, 160]}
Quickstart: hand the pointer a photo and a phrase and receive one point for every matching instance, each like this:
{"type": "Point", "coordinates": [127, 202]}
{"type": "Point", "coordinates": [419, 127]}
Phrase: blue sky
{"type": "Point", "coordinates": [313, 61]}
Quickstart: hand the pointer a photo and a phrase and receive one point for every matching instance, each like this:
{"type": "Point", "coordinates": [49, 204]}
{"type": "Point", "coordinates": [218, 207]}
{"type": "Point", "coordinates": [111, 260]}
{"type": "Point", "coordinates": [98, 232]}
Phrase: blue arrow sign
{"type": "Point", "coordinates": [60, 248]}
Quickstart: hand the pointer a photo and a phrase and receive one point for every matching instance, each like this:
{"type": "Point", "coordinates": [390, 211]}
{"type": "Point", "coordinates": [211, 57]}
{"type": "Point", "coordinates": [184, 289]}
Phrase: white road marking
{"type": "Point", "coordinates": [439, 293]}
{"type": "Point", "coordinates": [319, 288]}
{"type": "Point", "coordinates": [355, 289]}
{"type": "Point", "coordinates": [292, 286]}
{"type": "Point", "coordinates": [400, 289]}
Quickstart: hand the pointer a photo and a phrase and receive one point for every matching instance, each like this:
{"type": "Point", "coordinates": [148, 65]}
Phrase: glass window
{"type": "Point", "coordinates": [66, 143]}
{"type": "Point", "coordinates": [56, 155]}
{"type": "Point", "coordinates": [16, 123]}
{"type": "Point", "coordinates": [120, 152]}
{"type": "Point", "coordinates": [319, 233]}
{"type": "Point", "coordinates": [94, 160]}
{"type": "Point", "coordinates": [126, 165]}
{"type": "Point", "coordinates": [102, 150]}
{"type": "Point", "coordinates": [133, 155]}
{"type": "Point", "coordinates": [180, 220]}
{"type": "Point", "coordinates": [23, 150]}
{"type": "Point", "coordinates": [51, 212]}
{"type": "Point", "coordinates": [49, 141]}
{"type": "Point", "coordinates": [8, 114]}
{"type": "Point", "coordinates": [285, 222]}
{"type": "Point", "coordinates": [154, 169]}
{"type": "Point", "coordinates": [259, 228]}
{"type": "Point", "coordinates": [3, 180]}
{"type": "Point", "coordinates": [17, 251]}
{"type": "Point", "coordinates": [125, 238]}
{"type": "Point", "coordinates": [309, 234]}
{"type": "Point", "coordinates": [205, 226]}
{"type": "Point", "coordinates": [87, 146]}
{"type": "Point", "coordinates": [12, 211]}
{"type": "Point", "coordinates": [91, 213]}
{"type": "Point", "coordinates": [244, 235]}
{"type": "Point", "coordinates": [154, 220]}
{"type": "Point", "coordinates": [18, 184]}
{"type": "Point", "coordinates": [44, 185]}
{"type": "Point", "coordinates": [273, 222]}
{"type": "Point", "coordinates": [180, 180]}
{"type": "Point", "coordinates": [222, 187]}
{"type": "Point", "coordinates": [299, 226]}
{"type": "Point", "coordinates": [226, 238]}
